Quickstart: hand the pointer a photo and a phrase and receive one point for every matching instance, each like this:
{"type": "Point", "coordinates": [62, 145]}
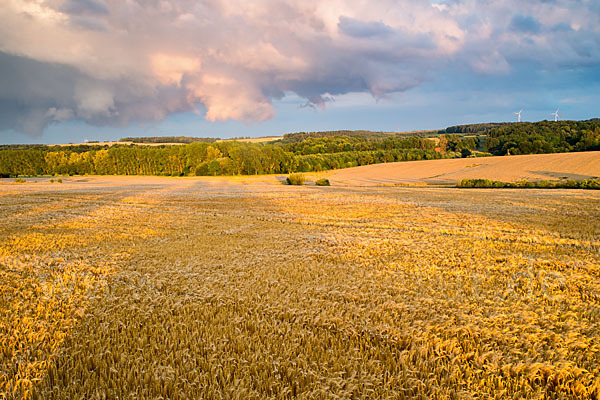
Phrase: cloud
{"type": "Point", "coordinates": [115, 62]}
{"type": "Point", "coordinates": [490, 64]}
{"type": "Point", "coordinates": [523, 23]}
{"type": "Point", "coordinates": [60, 114]}
{"type": "Point", "coordinates": [356, 28]}
{"type": "Point", "coordinates": [78, 7]}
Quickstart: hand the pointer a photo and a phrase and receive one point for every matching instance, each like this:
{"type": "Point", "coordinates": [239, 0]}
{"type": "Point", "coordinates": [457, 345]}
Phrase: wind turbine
{"type": "Point", "coordinates": [555, 115]}
{"type": "Point", "coordinates": [519, 114]}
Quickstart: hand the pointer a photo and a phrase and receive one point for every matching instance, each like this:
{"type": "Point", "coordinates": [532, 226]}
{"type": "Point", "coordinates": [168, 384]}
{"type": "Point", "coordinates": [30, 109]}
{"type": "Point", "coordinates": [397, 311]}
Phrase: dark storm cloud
{"type": "Point", "coordinates": [34, 94]}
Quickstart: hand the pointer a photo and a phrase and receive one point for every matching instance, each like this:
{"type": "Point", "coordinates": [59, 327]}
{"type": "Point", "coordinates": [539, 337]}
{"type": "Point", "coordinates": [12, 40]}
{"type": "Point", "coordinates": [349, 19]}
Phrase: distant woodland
{"type": "Point", "coordinates": [221, 158]}
{"type": "Point", "coordinates": [168, 139]}
{"type": "Point", "coordinates": [296, 152]}
{"type": "Point", "coordinates": [544, 137]}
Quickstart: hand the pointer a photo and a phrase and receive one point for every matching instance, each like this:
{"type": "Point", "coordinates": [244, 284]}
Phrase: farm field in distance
{"type": "Point", "coordinates": [140, 287]}
{"type": "Point", "coordinates": [531, 167]}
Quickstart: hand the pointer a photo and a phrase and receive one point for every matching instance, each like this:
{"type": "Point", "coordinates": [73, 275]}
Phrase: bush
{"type": "Point", "coordinates": [19, 180]}
{"type": "Point", "coordinates": [51, 180]}
{"type": "Point", "coordinates": [593, 184]}
{"type": "Point", "coordinates": [569, 184]}
{"type": "Point", "coordinates": [295, 179]}
{"type": "Point", "coordinates": [527, 184]}
{"type": "Point", "coordinates": [483, 183]}
{"type": "Point", "coordinates": [322, 182]}
{"type": "Point", "coordinates": [544, 184]}
{"type": "Point", "coordinates": [59, 180]}
{"type": "Point", "coordinates": [465, 183]}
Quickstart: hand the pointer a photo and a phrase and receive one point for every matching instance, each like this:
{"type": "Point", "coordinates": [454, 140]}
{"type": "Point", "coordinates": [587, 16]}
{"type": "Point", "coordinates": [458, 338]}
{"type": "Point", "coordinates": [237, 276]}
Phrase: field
{"type": "Point", "coordinates": [119, 143]}
{"type": "Point", "coordinates": [128, 288]}
{"type": "Point", "coordinates": [533, 167]}
{"type": "Point", "coordinates": [256, 140]}
{"type": "Point", "coordinates": [128, 143]}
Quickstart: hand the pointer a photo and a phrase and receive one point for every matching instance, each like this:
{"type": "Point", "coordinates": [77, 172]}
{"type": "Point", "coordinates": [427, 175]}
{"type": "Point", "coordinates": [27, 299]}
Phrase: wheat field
{"type": "Point", "coordinates": [531, 167]}
{"type": "Point", "coordinates": [125, 288]}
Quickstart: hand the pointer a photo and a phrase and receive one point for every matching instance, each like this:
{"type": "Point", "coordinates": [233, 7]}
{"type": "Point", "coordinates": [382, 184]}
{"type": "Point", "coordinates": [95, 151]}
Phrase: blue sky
{"type": "Point", "coordinates": [102, 70]}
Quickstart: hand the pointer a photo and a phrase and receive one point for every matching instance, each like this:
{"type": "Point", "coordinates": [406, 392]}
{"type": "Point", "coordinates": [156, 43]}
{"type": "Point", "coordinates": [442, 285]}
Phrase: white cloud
{"type": "Point", "coordinates": [490, 64]}
{"type": "Point", "coordinates": [60, 114]}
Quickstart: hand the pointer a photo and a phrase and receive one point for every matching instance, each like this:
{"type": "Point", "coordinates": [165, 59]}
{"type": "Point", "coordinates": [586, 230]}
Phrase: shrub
{"type": "Point", "coordinates": [593, 184]}
{"type": "Point", "coordinates": [59, 180]}
{"type": "Point", "coordinates": [569, 184]}
{"type": "Point", "coordinates": [322, 182]}
{"type": "Point", "coordinates": [19, 180]}
{"type": "Point", "coordinates": [465, 183]}
{"type": "Point", "coordinates": [295, 179]}
{"type": "Point", "coordinates": [51, 180]}
{"type": "Point", "coordinates": [544, 184]}
{"type": "Point", "coordinates": [526, 184]}
{"type": "Point", "coordinates": [484, 183]}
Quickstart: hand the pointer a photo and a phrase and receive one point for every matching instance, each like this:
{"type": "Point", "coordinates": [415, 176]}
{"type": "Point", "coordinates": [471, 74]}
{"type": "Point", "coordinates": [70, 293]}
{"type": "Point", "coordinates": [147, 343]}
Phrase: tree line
{"type": "Point", "coordinates": [338, 144]}
{"type": "Point", "coordinates": [480, 129]}
{"type": "Point", "coordinates": [302, 136]}
{"type": "Point", "coordinates": [196, 159]}
{"type": "Point", "coordinates": [298, 152]}
{"type": "Point", "coordinates": [544, 137]}
{"type": "Point", "coordinates": [525, 184]}
{"type": "Point", "coordinates": [168, 139]}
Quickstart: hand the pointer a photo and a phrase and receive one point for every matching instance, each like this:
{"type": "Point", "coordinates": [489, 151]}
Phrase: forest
{"type": "Point", "coordinates": [221, 158]}
{"type": "Point", "coordinates": [296, 152]}
{"type": "Point", "coordinates": [479, 129]}
{"type": "Point", "coordinates": [302, 136]}
{"type": "Point", "coordinates": [168, 139]}
{"type": "Point", "coordinates": [544, 137]}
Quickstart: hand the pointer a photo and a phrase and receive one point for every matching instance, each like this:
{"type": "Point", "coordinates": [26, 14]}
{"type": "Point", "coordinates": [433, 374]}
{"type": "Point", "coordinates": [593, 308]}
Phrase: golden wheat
{"type": "Point", "coordinates": [227, 290]}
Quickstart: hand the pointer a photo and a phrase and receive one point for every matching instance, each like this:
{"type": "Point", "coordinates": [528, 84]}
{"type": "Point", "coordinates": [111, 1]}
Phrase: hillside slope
{"type": "Point", "coordinates": [533, 167]}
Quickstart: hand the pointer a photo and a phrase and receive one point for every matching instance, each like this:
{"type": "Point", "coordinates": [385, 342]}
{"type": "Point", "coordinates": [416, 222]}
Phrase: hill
{"type": "Point", "coordinates": [299, 152]}
{"type": "Point", "coordinates": [544, 137]}
{"type": "Point", "coordinates": [168, 140]}
{"type": "Point", "coordinates": [533, 167]}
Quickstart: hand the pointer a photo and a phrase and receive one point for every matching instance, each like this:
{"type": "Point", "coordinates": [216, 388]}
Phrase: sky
{"type": "Point", "coordinates": [76, 70]}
